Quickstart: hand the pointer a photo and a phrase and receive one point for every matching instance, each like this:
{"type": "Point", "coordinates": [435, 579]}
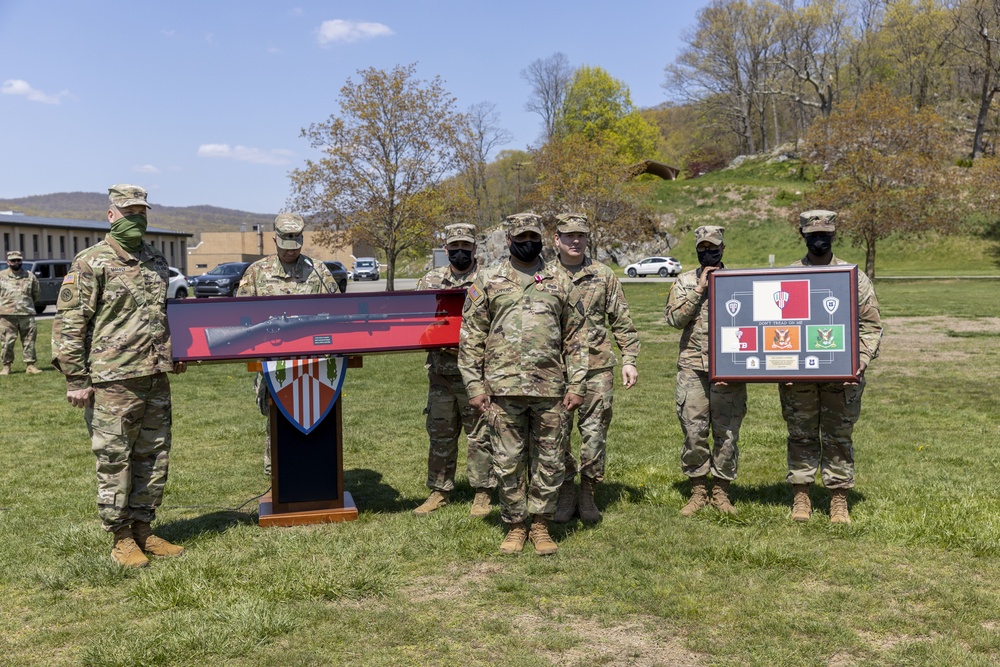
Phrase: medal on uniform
{"type": "Point", "coordinates": [538, 283]}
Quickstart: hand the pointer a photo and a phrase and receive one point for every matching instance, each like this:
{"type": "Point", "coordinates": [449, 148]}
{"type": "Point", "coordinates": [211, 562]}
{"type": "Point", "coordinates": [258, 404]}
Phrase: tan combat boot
{"type": "Point", "coordinates": [566, 505]}
{"type": "Point", "coordinates": [588, 508]}
{"type": "Point", "coordinates": [699, 496]}
{"type": "Point", "coordinates": [720, 497]}
{"type": "Point", "coordinates": [801, 505]}
{"type": "Point", "coordinates": [5, 370]}
{"type": "Point", "coordinates": [539, 536]}
{"type": "Point", "coordinates": [481, 503]}
{"type": "Point", "coordinates": [838, 506]}
{"type": "Point", "coordinates": [435, 501]}
{"type": "Point", "coordinates": [513, 543]}
{"type": "Point", "coordinates": [126, 552]}
{"type": "Point", "coordinates": [32, 370]}
{"type": "Point", "coordinates": [151, 544]}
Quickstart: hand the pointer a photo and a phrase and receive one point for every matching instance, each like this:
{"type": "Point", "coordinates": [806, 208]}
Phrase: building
{"type": "Point", "coordinates": [249, 246]}
{"type": "Point", "coordinates": [61, 238]}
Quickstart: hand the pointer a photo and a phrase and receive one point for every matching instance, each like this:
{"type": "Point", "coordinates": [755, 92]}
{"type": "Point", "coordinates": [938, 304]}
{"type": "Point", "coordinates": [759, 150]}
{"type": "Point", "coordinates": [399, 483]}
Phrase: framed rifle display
{"type": "Point", "coordinates": [796, 324]}
{"type": "Point", "coordinates": [248, 328]}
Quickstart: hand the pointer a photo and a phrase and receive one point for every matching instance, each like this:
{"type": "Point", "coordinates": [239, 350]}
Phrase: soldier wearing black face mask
{"type": "Point", "coordinates": [710, 413]}
{"type": "Point", "coordinates": [820, 416]}
{"type": "Point", "coordinates": [448, 408]}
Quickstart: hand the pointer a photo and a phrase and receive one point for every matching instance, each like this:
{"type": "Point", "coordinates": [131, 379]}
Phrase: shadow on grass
{"type": "Point", "coordinates": [779, 493]}
{"type": "Point", "coordinates": [372, 495]}
{"type": "Point", "coordinates": [215, 523]}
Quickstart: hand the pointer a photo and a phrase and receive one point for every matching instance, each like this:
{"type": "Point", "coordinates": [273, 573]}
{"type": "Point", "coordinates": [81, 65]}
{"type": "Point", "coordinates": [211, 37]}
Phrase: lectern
{"type": "Point", "coordinates": [304, 344]}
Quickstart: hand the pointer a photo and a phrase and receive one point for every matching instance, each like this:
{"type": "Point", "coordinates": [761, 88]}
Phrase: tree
{"type": "Point", "coordinates": [548, 79]}
{"type": "Point", "coordinates": [382, 160]}
{"type": "Point", "coordinates": [883, 169]}
{"type": "Point", "coordinates": [600, 106]}
{"type": "Point", "coordinates": [918, 36]}
{"type": "Point", "coordinates": [977, 35]}
{"type": "Point", "coordinates": [577, 174]}
{"type": "Point", "coordinates": [481, 135]}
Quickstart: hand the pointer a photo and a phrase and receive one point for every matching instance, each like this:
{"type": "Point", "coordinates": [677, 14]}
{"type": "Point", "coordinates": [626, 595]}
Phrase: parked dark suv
{"type": "Point", "coordinates": [220, 281]}
{"type": "Point", "coordinates": [50, 274]}
{"type": "Point", "coordinates": [340, 274]}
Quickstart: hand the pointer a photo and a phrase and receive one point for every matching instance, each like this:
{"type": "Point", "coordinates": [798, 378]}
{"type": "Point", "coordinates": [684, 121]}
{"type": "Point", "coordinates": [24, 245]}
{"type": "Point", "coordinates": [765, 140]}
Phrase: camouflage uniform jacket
{"type": "Point", "coordinates": [605, 304]}
{"type": "Point", "coordinates": [688, 310]}
{"type": "Point", "coordinates": [111, 320]}
{"type": "Point", "coordinates": [267, 277]}
{"type": "Point", "coordinates": [18, 292]}
{"type": "Point", "coordinates": [445, 360]}
{"type": "Point", "coordinates": [869, 319]}
{"type": "Point", "coordinates": [522, 341]}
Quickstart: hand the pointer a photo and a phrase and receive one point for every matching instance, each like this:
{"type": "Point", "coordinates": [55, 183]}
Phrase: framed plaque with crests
{"type": "Point", "coordinates": [796, 324]}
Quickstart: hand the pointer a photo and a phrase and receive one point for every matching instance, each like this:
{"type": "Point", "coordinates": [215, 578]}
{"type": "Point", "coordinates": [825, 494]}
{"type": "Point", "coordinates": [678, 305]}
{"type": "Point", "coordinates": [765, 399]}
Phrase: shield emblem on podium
{"type": "Point", "coordinates": [305, 390]}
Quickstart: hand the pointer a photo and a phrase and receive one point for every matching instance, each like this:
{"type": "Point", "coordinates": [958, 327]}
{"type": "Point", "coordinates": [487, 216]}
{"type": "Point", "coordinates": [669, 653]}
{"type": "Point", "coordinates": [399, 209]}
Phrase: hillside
{"type": "Point", "coordinates": [94, 206]}
{"type": "Point", "coordinates": [758, 203]}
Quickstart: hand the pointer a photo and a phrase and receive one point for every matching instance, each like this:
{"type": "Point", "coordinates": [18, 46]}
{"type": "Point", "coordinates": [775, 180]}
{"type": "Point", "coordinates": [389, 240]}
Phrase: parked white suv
{"type": "Point", "coordinates": [662, 266]}
{"type": "Point", "coordinates": [177, 288]}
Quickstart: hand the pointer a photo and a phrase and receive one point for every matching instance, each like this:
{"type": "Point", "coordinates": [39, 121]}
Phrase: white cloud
{"type": "Point", "coordinates": [168, 33]}
{"type": "Point", "coordinates": [339, 30]}
{"type": "Point", "coordinates": [277, 156]}
{"type": "Point", "coordinates": [145, 169]}
{"type": "Point", "coordinates": [273, 50]}
{"type": "Point", "coordinates": [19, 87]}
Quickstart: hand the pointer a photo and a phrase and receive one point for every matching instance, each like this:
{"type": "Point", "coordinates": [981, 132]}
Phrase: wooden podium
{"type": "Point", "coordinates": [307, 467]}
{"type": "Point", "coordinates": [307, 471]}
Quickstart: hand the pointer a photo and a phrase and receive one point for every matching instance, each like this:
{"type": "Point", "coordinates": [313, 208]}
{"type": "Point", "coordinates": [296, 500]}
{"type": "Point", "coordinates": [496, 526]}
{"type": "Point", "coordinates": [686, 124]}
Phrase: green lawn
{"type": "Point", "coordinates": [910, 582]}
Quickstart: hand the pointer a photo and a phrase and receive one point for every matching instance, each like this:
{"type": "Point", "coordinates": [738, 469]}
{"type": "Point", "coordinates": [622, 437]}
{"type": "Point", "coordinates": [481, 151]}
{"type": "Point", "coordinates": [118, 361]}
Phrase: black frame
{"type": "Point", "coordinates": [783, 349]}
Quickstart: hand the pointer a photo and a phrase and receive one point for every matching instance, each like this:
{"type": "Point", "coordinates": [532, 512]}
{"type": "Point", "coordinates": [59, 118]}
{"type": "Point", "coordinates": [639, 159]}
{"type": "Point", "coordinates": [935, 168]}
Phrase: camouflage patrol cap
{"type": "Point", "coordinates": [817, 221]}
{"type": "Point", "coordinates": [572, 222]}
{"type": "Point", "coordinates": [460, 231]}
{"type": "Point", "coordinates": [124, 195]}
{"type": "Point", "coordinates": [709, 233]}
{"type": "Point", "coordinates": [14, 254]}
{"type": "Point", "coordinates": [524, 222]}
{"type": "Point", "coordinates": [288, 231]}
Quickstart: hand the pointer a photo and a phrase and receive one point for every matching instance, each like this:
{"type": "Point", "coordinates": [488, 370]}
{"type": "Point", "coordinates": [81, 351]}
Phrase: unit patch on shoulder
{"type": "Point", "coordinates": [69, 293]}
{"type": "Point", "coordinates": [69, 279]}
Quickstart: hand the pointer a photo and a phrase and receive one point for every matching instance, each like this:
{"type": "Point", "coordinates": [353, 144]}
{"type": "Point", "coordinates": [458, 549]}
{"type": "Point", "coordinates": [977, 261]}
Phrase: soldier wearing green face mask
{"type": "Point", "coordinates": [111, 340]}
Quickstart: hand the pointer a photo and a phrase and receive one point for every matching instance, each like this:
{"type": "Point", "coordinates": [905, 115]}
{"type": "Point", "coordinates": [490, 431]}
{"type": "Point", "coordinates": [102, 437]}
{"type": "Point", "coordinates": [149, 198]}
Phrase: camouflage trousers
{"type": "Point", "coordinates": [129, 425]}
{"type": "Point", "coordinates": [703, 406]}
{"type": "Point", "coordinates": [12, 326]}
{"type": "Point", "coordinates": [448, 411]}
{"type": "Point", "coordinates": [820, 419]}
{"type": "Point", "coordinates": [263, 399]}
{"type": "Point", "coordinates": [593, 419]}
{"type": "Point", "coordinates": [527, 435]}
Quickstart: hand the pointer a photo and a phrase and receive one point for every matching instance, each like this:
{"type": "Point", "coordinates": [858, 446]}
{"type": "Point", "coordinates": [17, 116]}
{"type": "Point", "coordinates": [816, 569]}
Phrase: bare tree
{"type": "Point", "coordinates": [548, 79]}
{"type": "Point", "coordinates": [481, 136]}
{"type": "Point", "coordinates": [977, 35]}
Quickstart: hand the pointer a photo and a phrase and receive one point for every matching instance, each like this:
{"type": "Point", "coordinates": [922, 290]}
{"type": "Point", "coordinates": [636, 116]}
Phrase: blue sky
{"type": "Point", "coordinates": [202, 102]}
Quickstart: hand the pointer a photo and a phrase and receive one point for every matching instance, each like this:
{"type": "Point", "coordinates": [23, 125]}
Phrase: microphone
{"type": "Point", "coordinates": [312, 267]}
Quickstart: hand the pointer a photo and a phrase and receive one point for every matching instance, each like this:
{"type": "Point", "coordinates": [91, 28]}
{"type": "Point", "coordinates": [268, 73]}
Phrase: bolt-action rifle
{"type": "Point", "coordinates": [277, 325]}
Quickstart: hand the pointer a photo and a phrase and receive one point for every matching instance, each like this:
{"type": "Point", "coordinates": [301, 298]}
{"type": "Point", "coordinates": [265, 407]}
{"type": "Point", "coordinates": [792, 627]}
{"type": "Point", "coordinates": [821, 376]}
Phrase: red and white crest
{"type": "Point", "coordinates": [305, 389]}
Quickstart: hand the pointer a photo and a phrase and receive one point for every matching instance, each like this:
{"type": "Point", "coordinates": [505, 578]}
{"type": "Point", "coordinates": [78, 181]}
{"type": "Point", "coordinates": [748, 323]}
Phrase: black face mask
{"type": "Point", "coordinates": [710, 257]}
{"type": "Point", "coordinates": [526, 251]}
{"type": "Point", "coordinates": [460, 258]}
{"type": "Point", "coordinates": [819, 244]}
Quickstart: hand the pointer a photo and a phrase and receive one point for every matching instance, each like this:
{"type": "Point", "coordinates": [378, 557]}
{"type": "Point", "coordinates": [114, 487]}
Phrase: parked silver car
{"type": "Point", "coordinates": [662, 266]}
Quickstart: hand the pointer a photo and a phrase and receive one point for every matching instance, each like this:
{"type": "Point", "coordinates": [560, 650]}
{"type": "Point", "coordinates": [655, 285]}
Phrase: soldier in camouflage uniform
{"type": "Point", "coordinates": [524, 365]}
{"type": "Point", "coordinates": [18, 293]}
{"type": "Point", "coordinates": [111, 340]}
{"type": "Point", "coordinates": [704, 406]}
{"type": "Point", "coordinates": [605, 304]}
{"type": "Point", "coordinates": [286, 272]}
{"type": "Point", "coordinates": [821, 416]}
{"type": "Point", "coordinates": [448, 408]}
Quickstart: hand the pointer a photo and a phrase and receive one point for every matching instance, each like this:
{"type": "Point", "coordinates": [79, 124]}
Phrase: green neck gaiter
{"type": "Point", "coordinates": [128, 231]}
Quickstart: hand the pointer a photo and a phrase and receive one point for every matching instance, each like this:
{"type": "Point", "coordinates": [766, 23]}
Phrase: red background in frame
{"type": "Point", "coordinates": [189, 318]}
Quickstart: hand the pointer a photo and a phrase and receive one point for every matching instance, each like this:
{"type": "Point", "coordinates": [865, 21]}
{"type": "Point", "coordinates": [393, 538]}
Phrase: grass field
{"type": "Point", "coordinates": [910, 582]}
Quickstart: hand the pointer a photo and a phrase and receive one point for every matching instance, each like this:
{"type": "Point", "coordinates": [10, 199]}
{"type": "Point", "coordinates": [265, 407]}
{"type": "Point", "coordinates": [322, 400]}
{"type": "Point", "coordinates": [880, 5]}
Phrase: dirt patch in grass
{"type": "Point", "coordinates": [931, 340]}
{"type": "Point", "coordinates": [632, 644]}
{"type": "Point", "coordinates": [453, 585]}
